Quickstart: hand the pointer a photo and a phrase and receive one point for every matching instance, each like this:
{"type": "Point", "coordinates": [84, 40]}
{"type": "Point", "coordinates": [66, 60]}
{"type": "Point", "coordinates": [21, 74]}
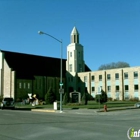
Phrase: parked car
{"type": "Point", "coordinates": [137, 105]}
{"type": "Point", "coordinates": [7, 102]}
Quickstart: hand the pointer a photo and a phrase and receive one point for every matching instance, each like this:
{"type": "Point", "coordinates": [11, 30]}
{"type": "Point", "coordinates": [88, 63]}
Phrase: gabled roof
{"type": "Point", "coordinates": [28, 65]}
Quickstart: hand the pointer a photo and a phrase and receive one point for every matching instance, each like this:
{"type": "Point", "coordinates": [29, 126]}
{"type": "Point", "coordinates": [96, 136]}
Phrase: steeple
{"type": "Point", "coordinates": [74, 36]}
{"type": "Point", "coordinates": [75, 61]}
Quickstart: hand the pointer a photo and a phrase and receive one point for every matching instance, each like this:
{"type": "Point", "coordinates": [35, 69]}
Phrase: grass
{"type": "Point", "coordinates": [90, 105]}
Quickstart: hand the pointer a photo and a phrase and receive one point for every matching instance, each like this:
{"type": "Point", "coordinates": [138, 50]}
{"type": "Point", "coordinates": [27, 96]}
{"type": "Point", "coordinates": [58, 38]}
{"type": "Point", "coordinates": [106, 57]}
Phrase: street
{"type": "Point", "coordinates": [28, 125]}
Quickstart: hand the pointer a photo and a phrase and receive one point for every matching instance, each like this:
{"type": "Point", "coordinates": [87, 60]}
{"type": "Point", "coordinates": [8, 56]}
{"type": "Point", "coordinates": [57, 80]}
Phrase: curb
{"type": "Point", "coordinates": [42, 110]}
{"type": "Point", "coordinates": [96, 111]}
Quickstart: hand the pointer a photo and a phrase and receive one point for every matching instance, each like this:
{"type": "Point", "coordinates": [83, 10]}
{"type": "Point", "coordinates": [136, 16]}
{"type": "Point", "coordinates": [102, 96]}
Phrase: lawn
{"type": "Point", "coordinates": [90, 105]}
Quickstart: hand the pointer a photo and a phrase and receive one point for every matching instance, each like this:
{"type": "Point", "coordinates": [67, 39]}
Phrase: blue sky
{"type": "Point", "coordinates": [109, 29]}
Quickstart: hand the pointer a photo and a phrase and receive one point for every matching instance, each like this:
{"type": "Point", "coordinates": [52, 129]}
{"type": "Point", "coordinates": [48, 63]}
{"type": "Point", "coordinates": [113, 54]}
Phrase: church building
{"type": "Point", "coordinates": [21, 74]}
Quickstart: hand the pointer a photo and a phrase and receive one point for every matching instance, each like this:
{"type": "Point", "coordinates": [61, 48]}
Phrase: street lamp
{"type": "Point", "coordinates": [61, 83]}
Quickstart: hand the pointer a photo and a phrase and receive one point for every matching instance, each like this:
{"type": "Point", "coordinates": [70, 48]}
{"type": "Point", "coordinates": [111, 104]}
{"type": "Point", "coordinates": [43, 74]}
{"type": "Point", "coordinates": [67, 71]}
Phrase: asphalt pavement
{"type": "Point", "coordinates": [75, 124]}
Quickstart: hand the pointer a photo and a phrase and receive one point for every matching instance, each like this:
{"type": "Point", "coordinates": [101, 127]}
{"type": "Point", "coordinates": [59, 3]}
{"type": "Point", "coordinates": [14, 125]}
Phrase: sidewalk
{"type": "Point", "coordinates": [84, 111]}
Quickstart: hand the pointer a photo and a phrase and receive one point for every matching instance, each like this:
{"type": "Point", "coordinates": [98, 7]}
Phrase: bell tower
{"type": "Point", "coordinates": [75, 60]}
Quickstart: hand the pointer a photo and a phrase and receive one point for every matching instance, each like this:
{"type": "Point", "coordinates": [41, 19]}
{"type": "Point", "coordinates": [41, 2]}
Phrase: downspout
{"type": "Point", "coordinates": [122, 85]}
{"type": "Point", "coordinates": [105, 83]}
{"type": "Point", "coordinates": [89, 83]}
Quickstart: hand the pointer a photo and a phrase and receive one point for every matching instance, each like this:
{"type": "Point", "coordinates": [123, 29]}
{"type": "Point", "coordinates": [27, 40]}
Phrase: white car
{"type": "Point", "coordinates": [7, 102]}
{"type": "Point", "coordinates": [137, 105]}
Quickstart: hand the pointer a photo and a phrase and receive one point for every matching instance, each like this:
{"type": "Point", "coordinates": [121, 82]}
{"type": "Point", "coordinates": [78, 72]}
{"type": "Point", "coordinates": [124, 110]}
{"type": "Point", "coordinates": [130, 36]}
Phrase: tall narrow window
{"type": "Point", "coordinates": [79, 79]}
{"type": "Point", "coordinates": [24, 85]}
{"type": "Point", "coordinates": [116, 76]}
{"type": "Point", "coordinates": [135, 74]}
{"type": "Point", "coordinates": [108, 77]}
{"type": "Point", "coordinates": [136, 87]}
{"type": "Point", "coordinates": [29, 86]}
{"type": "Point", "coordinates": [126, 88]}
{"type": "Point", "coordinates": [68, 79]}
{"type": "Point", "coordinates": [92, 77]}
{"type": "Point", "coordinates": [20, 85]}
{"type": "Point", "coordinates": [80, 68]}
{"type": "Point", "coordinates": [78, 54]}
{"type": "Point", "coordinates": [74, 38]}
{"type": "Point", "coordinates": [70, 67]}
{"type": "Point", "coordinates": [117, 88]}
{"type": "Point", "coordinates": [109, 88]}
{"type": "Point", "coordinates": [70, 54]}
{"type": "Point", "coordinates": [93, 89]}
{"type": "Point", "coordinates": [85, 78]}
{"type": "Point", "coordinates": [71, 79]}
{"type": "Point", "coordinates": [100, 77]}
{"type": "Point", "coordinates": [126, 75]}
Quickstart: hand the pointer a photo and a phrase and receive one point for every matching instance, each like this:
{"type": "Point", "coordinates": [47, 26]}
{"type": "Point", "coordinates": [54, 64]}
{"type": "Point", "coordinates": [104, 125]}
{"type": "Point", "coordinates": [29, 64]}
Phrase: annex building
{"type": "Point", "coordinates": [21, 74]}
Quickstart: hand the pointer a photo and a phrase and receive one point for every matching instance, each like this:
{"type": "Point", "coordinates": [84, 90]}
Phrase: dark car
{"type": "Point", "coordinates": [137, 105]}
{"type": "Point", "coordinates": [7, 102]}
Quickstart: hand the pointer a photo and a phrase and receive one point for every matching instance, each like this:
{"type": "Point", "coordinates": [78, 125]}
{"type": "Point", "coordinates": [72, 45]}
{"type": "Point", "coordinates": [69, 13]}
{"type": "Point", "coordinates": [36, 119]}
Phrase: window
{"type": "Point", "coordinates": [19, 85]}
{"type": "Point", "coordinates": [92, 77]}
{"type": "Point", "coordinates": [117, 88]}
{"type": "Point", "coordinates": [108, 77]}
{"type": "Point", "coordinates": [109, 88]}
{"type": "Point", "coordinates": [116, 76]}
{"type": "Point", "coordinates": [93, 89]}
{"type": "Point", "coordinates": [126, 75]}
{"type": "Point", "coordinates": [78, 54]}
{"type": "Point", "coordinates": [24, 85]}
{"type": "Point", "coordinates": [70, 67]}
{"type": "Point", "coordinates": [79, 79]}
{"type": "Point", "coordinates": [74, 38]}
{"type": "Point", "coordinates": [136, 87]}
{"type": "Point", "coordinates": [70, 54]}
{"type": "Point", "coordinates": [28, 85]}
{"type": "Point", "coordinates": [80, 68]}
{"type": "Point", "coordinates": [100, 77]}
{"type": "Point", "coordinates": [126, 88]}
{"type": "Point", "coordinates": [71, 79]}
{"type": "Point", "coordinates": [85, 78]}
{"type": "Point", "coordinates": [99, 89]}
{"type": "Point", "coordinates": [135, 74]}
{"type": "Point", "coordinates": [68, 79]}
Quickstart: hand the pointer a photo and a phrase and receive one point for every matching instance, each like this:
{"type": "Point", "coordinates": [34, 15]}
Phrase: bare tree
{"type": "Point", "coordinates": [114, 65]}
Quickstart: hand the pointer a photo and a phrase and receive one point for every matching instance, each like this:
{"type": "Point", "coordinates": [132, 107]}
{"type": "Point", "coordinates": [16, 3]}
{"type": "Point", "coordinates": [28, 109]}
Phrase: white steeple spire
{"type": "Point", "coordinates": [74, 36]}
{"type": "Point", "coordinates": [74, 31]}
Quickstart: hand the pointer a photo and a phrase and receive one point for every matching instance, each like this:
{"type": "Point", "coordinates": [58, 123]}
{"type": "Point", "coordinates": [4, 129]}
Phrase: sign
{"type": "Point", "coordinates": [61, 84]}
{"type": "Point", "coordinates": [75, 97]}
{"type": "Point", "coordinates": [99, 93]}
{"type": "Point", "coordinates": [61, 90]}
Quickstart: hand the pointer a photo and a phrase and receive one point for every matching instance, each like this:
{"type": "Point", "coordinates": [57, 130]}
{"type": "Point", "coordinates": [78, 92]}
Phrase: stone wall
{"type": "Point", "coordinates": [8, 81]}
